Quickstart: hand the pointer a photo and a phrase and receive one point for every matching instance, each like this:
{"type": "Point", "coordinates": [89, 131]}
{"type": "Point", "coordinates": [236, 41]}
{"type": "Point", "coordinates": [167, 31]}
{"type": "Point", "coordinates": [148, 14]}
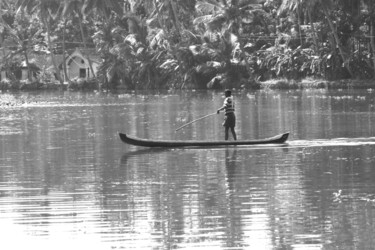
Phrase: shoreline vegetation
{"type": "Point", "coordinates": [318, 84]}
{"type": "Point", "coordinates": [133, 45]}
{"type": "Point", "coordinates": [308, 83]}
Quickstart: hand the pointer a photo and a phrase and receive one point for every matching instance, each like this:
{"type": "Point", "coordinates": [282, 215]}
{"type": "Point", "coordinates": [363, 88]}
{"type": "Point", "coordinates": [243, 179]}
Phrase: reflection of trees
{"type": "Point", "coordinates": [215, 195]}
{"type": "Point", "coordinates": [52, 162]}
{"type": "Point", "coordinates": [233, 230]}
{"type": "Point", "coordinates": [272, 198]}
{"type": "Point", "coordinates": [236, 197]}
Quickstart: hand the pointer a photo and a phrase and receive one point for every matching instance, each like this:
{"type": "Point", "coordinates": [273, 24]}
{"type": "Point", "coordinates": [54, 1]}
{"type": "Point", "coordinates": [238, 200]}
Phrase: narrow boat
{"type": "Point", "coordinates": [194, 143]}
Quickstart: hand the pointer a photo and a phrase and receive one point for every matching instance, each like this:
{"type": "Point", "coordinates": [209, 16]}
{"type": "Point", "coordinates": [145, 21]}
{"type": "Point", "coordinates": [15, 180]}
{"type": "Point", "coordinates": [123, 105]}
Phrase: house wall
{"type": "Point", "coordinates": [3, 75]}
{"type": "Point", "coordinates": [79, 67]}
{"type": "Point", "coordinates": [24, 75]}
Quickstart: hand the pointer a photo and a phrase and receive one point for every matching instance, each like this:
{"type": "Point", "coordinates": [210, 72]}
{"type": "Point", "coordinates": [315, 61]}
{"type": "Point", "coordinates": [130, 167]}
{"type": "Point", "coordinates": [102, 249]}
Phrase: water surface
{"type": "Point", "coordinates": [67, 181]}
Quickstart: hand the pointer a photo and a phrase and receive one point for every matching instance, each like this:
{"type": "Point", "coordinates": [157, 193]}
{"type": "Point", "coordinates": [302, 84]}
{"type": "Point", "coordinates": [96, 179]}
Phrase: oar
{"type": "Point", "coordinates": [195, 120]}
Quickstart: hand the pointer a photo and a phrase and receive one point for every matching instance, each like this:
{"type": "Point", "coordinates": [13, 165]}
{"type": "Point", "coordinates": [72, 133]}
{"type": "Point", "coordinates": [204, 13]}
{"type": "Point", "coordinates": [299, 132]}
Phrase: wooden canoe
{"type": "Point", "coordinates": [194, 143]}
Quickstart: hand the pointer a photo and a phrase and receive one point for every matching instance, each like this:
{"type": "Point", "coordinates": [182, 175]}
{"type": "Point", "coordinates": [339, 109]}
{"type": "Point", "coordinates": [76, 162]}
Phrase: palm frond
{"type": "Point", "coordinates": [159, 39]}
{"type": "Point", "coordinates": [216, 23]}
{"type": "Point", "coordinates": [202, 19]}
{"type": "Point", "coordinates": [208, 6]}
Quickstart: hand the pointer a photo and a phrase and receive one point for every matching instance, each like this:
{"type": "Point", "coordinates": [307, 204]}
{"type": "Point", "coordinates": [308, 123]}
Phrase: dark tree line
{"type": "Point", "coordinates": [195, 44]}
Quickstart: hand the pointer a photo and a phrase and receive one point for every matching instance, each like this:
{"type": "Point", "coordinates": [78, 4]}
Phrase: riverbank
{"type": "Point", "coordinates": [75, 85]}
{"type": "Point", "coordinates": [92, 85]}
{"type": "Point", "coordinates": [8, 99]}
{"type": "Point", "coordinates": [310, 83]}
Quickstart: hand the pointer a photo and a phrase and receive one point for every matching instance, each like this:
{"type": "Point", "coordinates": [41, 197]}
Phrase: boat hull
{"type": "Point", "coordinates": [278, 139]}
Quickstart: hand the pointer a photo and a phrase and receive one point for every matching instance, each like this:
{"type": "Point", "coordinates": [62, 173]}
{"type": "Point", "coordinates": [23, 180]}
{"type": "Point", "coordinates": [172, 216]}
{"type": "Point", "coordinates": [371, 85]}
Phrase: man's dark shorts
{"type": "Point", "coordinates": [229, 120]}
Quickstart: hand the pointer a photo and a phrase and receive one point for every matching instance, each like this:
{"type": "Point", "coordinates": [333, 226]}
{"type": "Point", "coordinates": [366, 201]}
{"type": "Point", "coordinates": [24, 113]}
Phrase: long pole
{"type": "Point", "coordinates": [195, 120]}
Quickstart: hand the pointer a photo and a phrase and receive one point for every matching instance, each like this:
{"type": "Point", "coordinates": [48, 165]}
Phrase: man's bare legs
{"type": "Point", "coordinates": [227, 133]}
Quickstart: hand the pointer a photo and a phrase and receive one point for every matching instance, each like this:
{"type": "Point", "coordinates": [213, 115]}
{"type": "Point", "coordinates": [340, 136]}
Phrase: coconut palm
{"type": "Point", "coordinates": [167, 25]}
{"type": "Point", "coordinates": [127, 56]}
{"type": "Point", "coordinates": [48, 11]}
{"type": "Point", "coordinates": [83, 8]}
{"type": "Point", "coordinates": [224, 22]}
{"type": "Point", "coordinates": [108, 40]}
{"type": "Point", "coordinates": [370, 4]}
{"type": "Point", "coordinates": [75, 7]}
{"type": "Point", "coordinates": [326, 6]}
{"type": "Point", "coordinates": [25, 32]}
{"type": "Point", "coordinates": [166, 11]}
{"type": "Point", "coordinates": [103, 8]}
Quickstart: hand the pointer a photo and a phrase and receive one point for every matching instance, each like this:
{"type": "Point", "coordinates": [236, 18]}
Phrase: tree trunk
{"type": "Point", "coordinates": [85, 45]}
{"type": "Point", "coordinates": [162, 26]}
{"type": "Point", "coordinates": [27, 65]}
{"type": "Point", "coordinates": [57, 70]}
{"type": "Point", "coordinates": [64, 57]}
{"type": "Point", "coordinates": [342, 53]}
{"type": "Point", "coordinates": [175, 19]}
{"type": "Point", "coordinates": [313, 32]}
{"type": "Point", "coordinates": [372, 42]}
{"type": "Point", "coordinates": [299, 24]}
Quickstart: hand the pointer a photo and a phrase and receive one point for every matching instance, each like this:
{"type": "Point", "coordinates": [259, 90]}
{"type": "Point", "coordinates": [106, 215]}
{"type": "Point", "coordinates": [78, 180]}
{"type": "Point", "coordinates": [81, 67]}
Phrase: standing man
{"type": "Point", "coordinates": [230, 118]}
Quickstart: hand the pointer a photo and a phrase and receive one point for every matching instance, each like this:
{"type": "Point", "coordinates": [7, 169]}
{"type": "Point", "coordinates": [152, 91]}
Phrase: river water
{"type": "Point", "coordinates": [68, 182]}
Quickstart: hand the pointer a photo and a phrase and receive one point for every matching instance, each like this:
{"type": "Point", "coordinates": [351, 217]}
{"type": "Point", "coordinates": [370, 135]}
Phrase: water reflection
{"type": "Point", "coordinates": [67, 181]}
{"type": "Point", "coordinates": [220, 201]}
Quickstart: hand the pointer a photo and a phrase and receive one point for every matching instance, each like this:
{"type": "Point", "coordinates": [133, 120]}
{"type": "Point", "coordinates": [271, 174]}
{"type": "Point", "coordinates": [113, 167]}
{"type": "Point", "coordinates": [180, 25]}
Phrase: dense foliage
{"type": "Point", "coordinates": [194, 43]}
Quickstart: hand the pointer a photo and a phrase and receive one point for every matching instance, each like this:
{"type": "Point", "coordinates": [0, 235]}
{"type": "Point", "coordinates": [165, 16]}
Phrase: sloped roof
{"type": "Point", "coordinates": [94, 56]}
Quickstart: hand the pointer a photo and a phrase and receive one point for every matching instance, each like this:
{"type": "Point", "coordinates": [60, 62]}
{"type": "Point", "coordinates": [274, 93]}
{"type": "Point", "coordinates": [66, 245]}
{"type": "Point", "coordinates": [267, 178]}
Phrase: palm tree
{"type": "Point", "coordinates": [224, 22]}
{"type": "Point", "coordinates": [66, 76]}
{"type": "Point", "coordinates": [297, 6]}
{"type": "Point", "coordinates": [170, 9]}
{"type": "Point", "coordinates": [326, 6]}
{"type": "Point", "coordinates": [47, 10]}
{"type": "Point", "coordinates": [103, 8]}
{"type": "Point", "coordinates": [25, 35]}
{"type": "Point", "coordinates": [82, 8]}
{"type": "Point", "coordinates": [165, 34]}
{"type": "Point", "coordinates": [2, 8]}
{"type": "Point", "coordinates": [75, 7]}
{"type": "Point", "coordinates": [370, 4]}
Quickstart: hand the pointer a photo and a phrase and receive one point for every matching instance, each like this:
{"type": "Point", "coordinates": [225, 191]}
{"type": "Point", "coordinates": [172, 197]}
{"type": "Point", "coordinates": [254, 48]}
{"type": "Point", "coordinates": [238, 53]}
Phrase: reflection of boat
{"type": "Point", "coordinates": [144, 151]}
{"type": "Point", "coordinates": [194, 143]}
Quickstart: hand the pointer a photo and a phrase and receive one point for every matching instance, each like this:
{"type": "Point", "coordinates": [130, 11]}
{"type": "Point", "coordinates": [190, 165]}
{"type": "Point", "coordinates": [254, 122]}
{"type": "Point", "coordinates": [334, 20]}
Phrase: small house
{"type": "Point", "coordinates": [34, 70]}
{"type": "Point", "coordinates": [78, 66]}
